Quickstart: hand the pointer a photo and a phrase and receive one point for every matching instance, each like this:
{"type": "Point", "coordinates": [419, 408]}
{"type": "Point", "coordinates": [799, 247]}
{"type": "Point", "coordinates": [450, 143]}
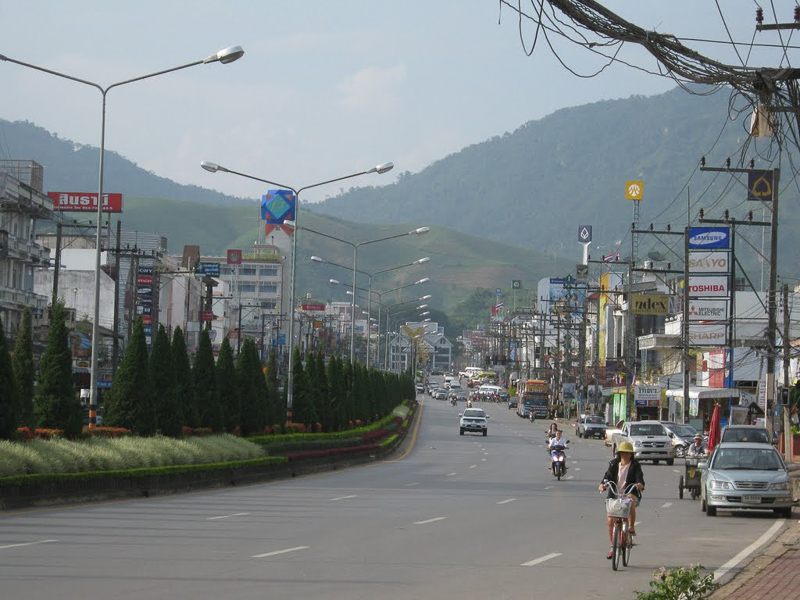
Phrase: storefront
{"type": "Point", "coordinates": [697, 412]}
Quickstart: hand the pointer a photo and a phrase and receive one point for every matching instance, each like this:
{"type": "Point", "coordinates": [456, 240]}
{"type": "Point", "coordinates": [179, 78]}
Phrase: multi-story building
{"type": "Point", "coordinates": [22, 204]}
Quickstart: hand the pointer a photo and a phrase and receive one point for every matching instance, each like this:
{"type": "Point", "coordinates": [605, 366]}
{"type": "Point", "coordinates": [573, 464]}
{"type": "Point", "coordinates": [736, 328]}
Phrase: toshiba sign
{"type": "Point", "coordinates": [708, 287]}
{"type": "Point", "coordinates": [85, 202]}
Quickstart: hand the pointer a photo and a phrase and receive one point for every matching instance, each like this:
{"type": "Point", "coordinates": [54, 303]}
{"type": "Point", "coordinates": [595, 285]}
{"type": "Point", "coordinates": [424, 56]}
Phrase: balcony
{"type": "Point", "coordinates": [19, 197]}
{"type": "Point", "coordinates": [17, 248]}
{"type": "Point", "coordinates": [13, 299]}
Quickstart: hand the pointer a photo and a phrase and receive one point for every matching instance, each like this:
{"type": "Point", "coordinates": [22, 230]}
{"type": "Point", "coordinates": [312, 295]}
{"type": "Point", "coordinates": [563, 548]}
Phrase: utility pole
{"type": "Point", "coordinates": [787, 425]}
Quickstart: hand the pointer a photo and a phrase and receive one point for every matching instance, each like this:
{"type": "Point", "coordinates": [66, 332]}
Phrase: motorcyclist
{"type": "Point", "coordinates": [697, 448]}
{"type": "Point", "coordinates": [624, 470]}
{"type": "Point", "coordinates": [557, 442]}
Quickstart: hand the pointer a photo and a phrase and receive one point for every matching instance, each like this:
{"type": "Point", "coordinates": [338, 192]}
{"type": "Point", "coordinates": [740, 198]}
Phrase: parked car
{"type": "Point", "coordinates": [682, 436]}
{"type": "Point", "coordinates": [745, 476]}
{"type": "Point", "coordinates": [745, 433]}
{"type": "Point", "coordinates": [512, 402]}
{"type": "Point", "coordinates": [473, 420]}
{"type": "Point", "coordinates": [420, 388]}
{"type": "Point", "coordinates": [592, 426]}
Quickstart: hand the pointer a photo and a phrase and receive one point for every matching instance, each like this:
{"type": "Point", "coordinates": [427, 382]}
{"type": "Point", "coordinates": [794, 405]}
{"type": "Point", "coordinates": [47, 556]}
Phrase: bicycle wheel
{"type": "Point", "coordinates": [627, 543]}
{"type": "Point", "coordinates": [615, 546]}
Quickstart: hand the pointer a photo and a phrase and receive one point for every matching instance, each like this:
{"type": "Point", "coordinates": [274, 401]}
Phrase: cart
{"type": "Point", "coordinates": [690, 480]}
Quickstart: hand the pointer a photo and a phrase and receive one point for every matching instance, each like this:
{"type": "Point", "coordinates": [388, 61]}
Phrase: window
{"type": "Point", "coordinates": [246, 287]}
{"type": "Point", "coordinates": [268, 272]}
{"type": "Point", "coordinates": [247, 271]}
{"type": "Point", "coordinates": [268, 288]}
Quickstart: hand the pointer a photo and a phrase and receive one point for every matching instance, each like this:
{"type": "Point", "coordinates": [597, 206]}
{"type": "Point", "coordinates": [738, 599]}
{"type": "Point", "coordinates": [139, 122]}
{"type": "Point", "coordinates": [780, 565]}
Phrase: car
{"type": "Point", "coordinates": [592, 426]}
{"type": "Point", "coordinates": [440, 394]}
{"type": "Point", "coordinates": [460, 396]}
{"type": "Point", "coordinates": [610, 431]}
{"type": "Point", "coordinates": [649, 439]}
{"type": "Point", "coordinates": [473, 420]}
{"type": "Point", "coordinates": [682, 436]}
{"type": "Point", "coordinates": [420, 388]}
{"type": "Point", "coordinates": [745, 433]}
{"type": "Point", "coordinates": [745, 475]}
{"type": "Point", "coordinates": [512, 402]}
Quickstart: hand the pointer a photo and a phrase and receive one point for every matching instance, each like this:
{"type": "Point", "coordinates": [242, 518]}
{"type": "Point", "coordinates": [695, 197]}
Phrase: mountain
{"type": "Point", "coordinates": [535, 186]}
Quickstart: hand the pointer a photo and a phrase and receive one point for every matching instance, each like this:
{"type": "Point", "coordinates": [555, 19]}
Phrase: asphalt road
{"type": "Point", "coordinates": [458, 517]}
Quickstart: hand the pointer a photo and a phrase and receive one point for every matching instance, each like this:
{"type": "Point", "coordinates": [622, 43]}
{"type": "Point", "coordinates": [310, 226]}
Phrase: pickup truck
{"type": "Point", "coordinates": [649, 439]}
{"type": "Point", "coordinates": [592, 426]}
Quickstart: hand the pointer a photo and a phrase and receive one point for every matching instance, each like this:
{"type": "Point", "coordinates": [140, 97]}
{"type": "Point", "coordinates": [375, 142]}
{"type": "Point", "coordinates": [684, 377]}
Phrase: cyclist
{"type": "Point", "coordinates": [624, 470]}
{"type": "Point", "coordinates": [697, 448]}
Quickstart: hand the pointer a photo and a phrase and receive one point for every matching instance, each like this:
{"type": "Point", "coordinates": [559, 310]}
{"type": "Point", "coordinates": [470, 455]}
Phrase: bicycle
{"type": "Point", "coordinates": [618, 507]}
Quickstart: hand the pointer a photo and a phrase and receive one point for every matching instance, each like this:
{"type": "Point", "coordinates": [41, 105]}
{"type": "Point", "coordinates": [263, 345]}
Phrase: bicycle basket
{"type": "Point", "coordinates": [618, 507]}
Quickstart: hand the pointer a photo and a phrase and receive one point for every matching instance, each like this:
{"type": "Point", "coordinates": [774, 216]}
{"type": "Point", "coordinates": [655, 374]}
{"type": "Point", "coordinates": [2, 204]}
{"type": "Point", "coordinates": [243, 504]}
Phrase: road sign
{"type": "Point", "coordinates": [498, 291]}
{"type": "Point", "coordinates": [516, 284]}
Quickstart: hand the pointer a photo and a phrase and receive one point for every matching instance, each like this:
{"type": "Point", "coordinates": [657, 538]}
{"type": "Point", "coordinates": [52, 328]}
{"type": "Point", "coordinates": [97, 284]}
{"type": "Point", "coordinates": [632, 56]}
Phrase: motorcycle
{"type": "Point", "coordinates": [558, 460]}
{"type": "Point", "coordinates": [453, 401]}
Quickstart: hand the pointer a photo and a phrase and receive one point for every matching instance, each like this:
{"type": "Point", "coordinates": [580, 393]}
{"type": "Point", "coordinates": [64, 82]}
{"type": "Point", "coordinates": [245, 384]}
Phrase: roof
{"type": "Point", "coordinates": [702, 393]}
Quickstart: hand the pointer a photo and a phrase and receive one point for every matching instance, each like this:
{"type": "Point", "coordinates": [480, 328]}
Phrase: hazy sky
{"type": "Point", "coordinates": [326, 87]}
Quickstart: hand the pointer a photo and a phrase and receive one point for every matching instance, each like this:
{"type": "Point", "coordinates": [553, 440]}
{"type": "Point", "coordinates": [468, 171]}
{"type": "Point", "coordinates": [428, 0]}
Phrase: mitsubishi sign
{"type": "Point", "coordinates": [85, 202]}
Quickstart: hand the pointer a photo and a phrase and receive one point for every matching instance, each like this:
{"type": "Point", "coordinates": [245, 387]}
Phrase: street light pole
{"type": "Point", "coordinates": [228, 55]}
{"type": "Point", "coordinates": [213, 168]}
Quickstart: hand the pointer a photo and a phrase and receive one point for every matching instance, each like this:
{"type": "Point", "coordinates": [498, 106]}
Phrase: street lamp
{"type": "Point", "coordinates": [356, 246]}
{"type": "Point", "coordinates": [419, 261]}
{"type": "Point", "coordinates": [225, 56]}
{"type": "Point", "coordinates": [213, 168]}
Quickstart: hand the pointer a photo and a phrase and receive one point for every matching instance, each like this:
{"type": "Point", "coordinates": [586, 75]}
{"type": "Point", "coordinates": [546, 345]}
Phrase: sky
{"type": "Point", "coordinates": [325, 88]}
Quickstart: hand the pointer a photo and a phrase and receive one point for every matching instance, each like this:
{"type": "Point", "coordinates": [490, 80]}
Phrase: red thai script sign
{"type": "Point", "coordinates": [315, 307]}
{"type": "Point", "coordinates": [144, 279]}
{"type": "Point", "coordinates": [85, 202]}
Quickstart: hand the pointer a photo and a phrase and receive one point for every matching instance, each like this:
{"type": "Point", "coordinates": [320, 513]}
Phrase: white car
{"type": "Point", "coordinates": [474, 420]}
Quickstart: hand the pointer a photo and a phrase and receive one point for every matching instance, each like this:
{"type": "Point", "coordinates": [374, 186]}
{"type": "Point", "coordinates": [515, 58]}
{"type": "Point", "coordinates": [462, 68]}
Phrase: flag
{"type": "Point", "coordinates": [611, 257]}
{"type": "Point", "coordinates": [498, 307]}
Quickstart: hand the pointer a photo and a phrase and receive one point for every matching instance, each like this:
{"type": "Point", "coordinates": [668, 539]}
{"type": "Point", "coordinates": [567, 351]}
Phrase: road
{"type": "Point", "coordinates": [458, 517]}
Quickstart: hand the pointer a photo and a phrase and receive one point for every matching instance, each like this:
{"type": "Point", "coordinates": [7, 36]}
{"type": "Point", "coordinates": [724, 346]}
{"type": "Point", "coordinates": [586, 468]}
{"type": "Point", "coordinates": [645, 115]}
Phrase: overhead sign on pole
{"type": "Point", "coordinates": [585, 234]}
{"type": "Point", "coordinates": [759, 186]}
{"type": "Point", "coordinates": [634, 190]}
{"type": "Point", "coordinates": [709, 262]}
{"type": "Point", "coordinates": [707, 238]}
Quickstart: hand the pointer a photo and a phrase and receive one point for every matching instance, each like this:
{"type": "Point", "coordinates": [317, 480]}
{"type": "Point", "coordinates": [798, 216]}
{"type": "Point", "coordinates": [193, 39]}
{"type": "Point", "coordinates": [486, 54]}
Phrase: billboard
{"type": "Point", "coordinates": [647, 395]}
{"type": "Point", "coordinates": [708, 286]}
{"type": "Point", "coordinates": [709, 262]}
{"type": "Point", "coordinates": [278, 206]}
{"type": "Point", "coordinates": [708, 310]}
{"type": "Point", "coordinates": [707, 238]}
{"type": "Point", "coordinates": [567, 294]}
{"type": "Point", "coordinates": [703, 334]}
{"type": "Point", "coordinates": [85, 202]}
{"type": "Point", "coordinates": [650, 304]}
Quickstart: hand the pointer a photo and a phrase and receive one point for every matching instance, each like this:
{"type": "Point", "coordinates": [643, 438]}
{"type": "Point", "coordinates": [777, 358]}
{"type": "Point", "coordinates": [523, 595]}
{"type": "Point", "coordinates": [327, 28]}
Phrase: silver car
{"type": "Point", "coordinates": [745, 476]}
{"type": "Point", "coordinates": [682, 436]}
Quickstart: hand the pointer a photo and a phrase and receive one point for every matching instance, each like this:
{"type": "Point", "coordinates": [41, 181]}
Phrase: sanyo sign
{"type": "Point", "coordinates": [707, 238]}
{"type": "Point", "coordinates": [709, 262]}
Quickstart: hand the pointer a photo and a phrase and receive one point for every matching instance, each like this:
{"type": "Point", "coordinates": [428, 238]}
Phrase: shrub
{"type": "Point", "coordinates": [679, 584]}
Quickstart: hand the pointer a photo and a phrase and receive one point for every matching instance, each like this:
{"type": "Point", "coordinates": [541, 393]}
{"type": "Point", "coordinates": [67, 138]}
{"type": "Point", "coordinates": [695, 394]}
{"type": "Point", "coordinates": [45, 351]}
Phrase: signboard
{"type": "Point", "coordinates": [647, 395]}
{"type": "Point", "coordinates": [144, 279]}
{"type": "Point", "coordinates": [634, 190]}
{"type": "Point", "coordinates": [207, 315]}
{"type": "Point", "coordinates": [144, 290]}
{"type": "Point", "coordinates": [567, 294]}
{"type": "Point", "coordinates": [708, 310]}
{"type": "Point", "coordinates": [208, 269]}
{"type": "Point", "coordinates": [709, 262]}
{"type": "Point", "coordinates": [582, 273]}
{"type": "Point", "coordinates": [144, 271]}
{"type": "Point", "coordinates": [707, 238]}
{"type": "Point", "coordinates": [708, 286]}
{"type": "Point", "coordinates": [516, 284]}
{"type": "Point", "coordinates": [585, 234]}
{"type": "Point", "coordinates": [650, 304]}
{"type": "Point", "coordinates": [277, 206]}
{"type": "Point", "coordinates": [147, 320]}
{"type": "Point", "coordinates": [759, 185]}
{"type": "Point", "coordinates": [702, 334]}
{"type": "Point", "coordinates": [234, 257]}
{"type": "Point", "coordinates": [316, 307]}
{"type": "Point", "coordinates": [85, 202]}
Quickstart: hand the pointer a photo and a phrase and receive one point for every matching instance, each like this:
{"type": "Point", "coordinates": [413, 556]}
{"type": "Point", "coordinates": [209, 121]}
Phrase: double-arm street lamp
{"type": "Point", "coordinates": [228, 55]}
{"type": "Point", "coordinates": [419, 261]}
{"type": "Point", "coordinates": [213, 168]}
{"type": "Point", "coordinates": [356, 246]}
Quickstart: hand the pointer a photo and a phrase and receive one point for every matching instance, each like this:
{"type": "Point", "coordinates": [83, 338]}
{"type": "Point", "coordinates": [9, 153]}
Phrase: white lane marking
{"type": "Point", "coordinates": [410, 484]}
{"type": "Point", "coordinates": [506, 501]}
{"type": "Point", "coordinates": [344, 497]}
{"type": "Point", "coordinates": [549, 487]}
{"type": "Point", "coordinates": [472, 466]}
{"type": "Point", "coordinates": [450, 474]}
{"type": "Point", "coordinates": [731, 564]}
{"type": "Point", "coordinates": [277, 552]}
{"type": "Point", "coordinates": [536, 561]}
{"type": "Point", "coordinates": [425, 522]}
{"type": "Point", "coordinates": [676, 470]}
{"type": "Point", "coordinates": [28, 544]}
{"type": "Point", "coordinates": [666, 505]}
{"type": "Point", "coordinates": [227, 516]}
{"type": "Point", "coordinates": [483, 460]}
{"type": "Point", "coordinates": [577, 468]}
{"type": "Point", "coordinates": [571, 477]}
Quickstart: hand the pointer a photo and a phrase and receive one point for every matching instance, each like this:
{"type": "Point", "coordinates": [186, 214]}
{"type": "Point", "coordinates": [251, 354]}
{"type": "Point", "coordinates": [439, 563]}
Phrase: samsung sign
{"type": "Point", "coordinates": [709, 237]}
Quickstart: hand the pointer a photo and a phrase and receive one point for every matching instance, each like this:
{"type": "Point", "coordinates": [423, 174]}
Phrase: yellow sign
{"type": "Point", "coordinates": [650, 304]}
{"type": "Point", "coordinates": [634, 190]}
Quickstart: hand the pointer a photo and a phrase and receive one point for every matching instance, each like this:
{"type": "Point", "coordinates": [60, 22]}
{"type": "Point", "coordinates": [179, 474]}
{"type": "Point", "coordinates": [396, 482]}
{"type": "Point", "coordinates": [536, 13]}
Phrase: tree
{"type": "Point", "coordinates": [302, 403]}
{"type": "Point", "coordinates": [9, 405]}
{"type": "Point", "coordinates": [24, 369]}
{"type": "Point", "coordinates": [162, 378]}
{"type": "Point", "coordinates": [228, 386]}
{"type": "Point", "coordinates": [206, 393]}
{"type": "Point", "coordinates": [56, 404]}
{"type": "Point", "coordinates": [253, 403]}
{"type": "Point", "coordinates": [184, 390]}
{"type": "Point", "coordinates": [130, 400]}
{"type": "Point", "coordinates": [276, 406]}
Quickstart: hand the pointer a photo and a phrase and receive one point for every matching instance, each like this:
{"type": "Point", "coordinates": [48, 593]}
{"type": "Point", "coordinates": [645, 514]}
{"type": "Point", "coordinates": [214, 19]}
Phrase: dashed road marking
{"type": "Point", "coordinates": [27, 544]}
{"type": "Point", "coordinates": [666, 505]}
{"type": "Point", "coordinates": [472, 466]}
{"type": "Point", "coordinates": [277, 552]}
{"type": "Point", "coordinates": [426, 521]}
{"type": "Point", "coordinates": [227, 516]}
{"type": "Point", "coordinates": [541, 559]}
{"type": "Point", "coordinates": [506, 501]}
{"type": "Point", "coordinates": [410, 484]}
{"type": "Point", "coordinates": [344, 497]}
{"type": "Point", "coordinates": [549, 487]}
{"type": "Point", "coordinates": [450, 474]}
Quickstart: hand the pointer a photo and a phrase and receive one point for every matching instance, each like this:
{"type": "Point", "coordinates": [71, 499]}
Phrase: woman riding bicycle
{"type": "Point", "coordinates": [624, 470]}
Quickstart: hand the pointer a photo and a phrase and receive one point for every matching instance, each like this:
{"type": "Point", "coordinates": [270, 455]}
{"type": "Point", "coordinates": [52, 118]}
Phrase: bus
{"type": "Point", "coordinates": [533, 396]}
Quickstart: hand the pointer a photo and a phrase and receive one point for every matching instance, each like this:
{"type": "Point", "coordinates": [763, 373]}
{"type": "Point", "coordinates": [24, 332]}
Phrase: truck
{"type": "Point", "coordinates": [649, 439]}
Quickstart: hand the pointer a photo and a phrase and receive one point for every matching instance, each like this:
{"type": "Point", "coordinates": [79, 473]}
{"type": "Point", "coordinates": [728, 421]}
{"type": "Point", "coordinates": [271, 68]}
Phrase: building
{"type": "Point", "coordinates": [425, 339]}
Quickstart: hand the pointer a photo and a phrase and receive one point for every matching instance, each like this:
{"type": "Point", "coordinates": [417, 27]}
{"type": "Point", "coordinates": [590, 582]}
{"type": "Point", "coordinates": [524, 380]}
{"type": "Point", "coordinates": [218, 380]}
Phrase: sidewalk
{"type": "Point", "coordinates": [774, 574]}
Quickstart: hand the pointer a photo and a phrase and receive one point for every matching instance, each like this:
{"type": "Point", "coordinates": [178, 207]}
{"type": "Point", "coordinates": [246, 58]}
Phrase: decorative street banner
{"type": "Point", "coordinates": [278, 206]}
{"type": "Point", "coordinates": [709, 262]}
{"type": "Point", "coordinates": [85, 202]}
{"type": "Point", "coordinates": [706, 238]}
{"type": "Point", "coordinates": [759, 186]}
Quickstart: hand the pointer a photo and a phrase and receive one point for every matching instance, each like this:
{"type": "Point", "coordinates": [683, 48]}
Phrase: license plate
{"type": "Point", "coordinates": [755, 498]}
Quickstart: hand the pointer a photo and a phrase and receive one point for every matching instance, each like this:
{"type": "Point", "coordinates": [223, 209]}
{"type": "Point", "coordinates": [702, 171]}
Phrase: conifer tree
{"type": "Point", "coordinates": [276, 406]}
{"type": "Point", "coordinates": [56, 404]}
{"type": "Point", "coordinates": [252, 402]}
{"type": "Point", "coordinates": [206, 393]}
{"type": "Point", "coordinates": [9, 403]}
{"type": "Point", "coordinates": [162, 378]}
{"type": "Point", "coordinates": [24, 369]}
{"type": "Point", "coordinates": [184, 390]}
{"type": "Point", "coordinates": [336, 393]}
{"type": "Point", "coordinates": [322, 406]}
{"type": "Point", "coordinates": [129, 403]}
{"type": "Point", "coordinates": [302, 403]}
{"type": "Point", "coordinates": [228, 386]}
